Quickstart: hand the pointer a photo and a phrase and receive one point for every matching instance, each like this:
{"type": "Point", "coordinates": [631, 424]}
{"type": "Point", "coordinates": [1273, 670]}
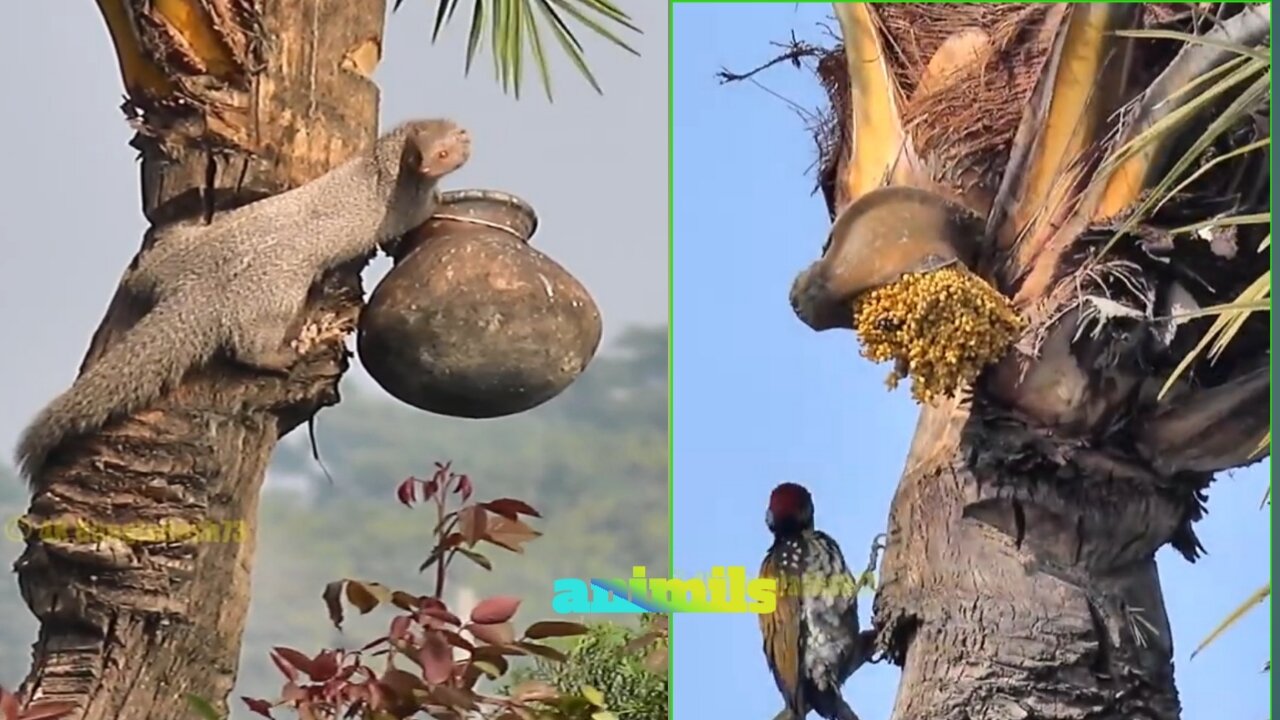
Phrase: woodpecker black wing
{"type": "Point", "coordinates": [783, 633]}
{"type": "Point", "coordinates": [831, 616]}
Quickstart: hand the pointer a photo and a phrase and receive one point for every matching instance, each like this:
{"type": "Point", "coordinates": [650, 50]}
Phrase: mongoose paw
{"type": "Point", "coordinates": [278, 362]}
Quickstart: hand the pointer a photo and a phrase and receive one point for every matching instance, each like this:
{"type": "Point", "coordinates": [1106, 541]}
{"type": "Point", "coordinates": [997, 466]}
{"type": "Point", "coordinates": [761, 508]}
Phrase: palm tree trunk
{"type": "Point", "coordinates": [1020, 579]}
{"type": "Point", "coordinates": [234, 100]}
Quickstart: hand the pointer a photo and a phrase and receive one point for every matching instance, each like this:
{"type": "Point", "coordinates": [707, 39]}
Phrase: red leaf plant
{"type": "Point", "coordinates": [430, 660]}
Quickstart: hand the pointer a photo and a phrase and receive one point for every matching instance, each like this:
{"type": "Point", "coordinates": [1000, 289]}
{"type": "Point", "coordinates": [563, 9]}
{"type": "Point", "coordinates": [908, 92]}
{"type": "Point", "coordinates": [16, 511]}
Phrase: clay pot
{"type": "Point", "coordinates": [877, 239]}
{"type": "Point", "coordinates": [473, 322]}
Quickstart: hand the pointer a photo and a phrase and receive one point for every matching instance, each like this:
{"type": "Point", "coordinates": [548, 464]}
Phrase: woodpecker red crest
{"type": "Point", "coordinates": [812, 641]}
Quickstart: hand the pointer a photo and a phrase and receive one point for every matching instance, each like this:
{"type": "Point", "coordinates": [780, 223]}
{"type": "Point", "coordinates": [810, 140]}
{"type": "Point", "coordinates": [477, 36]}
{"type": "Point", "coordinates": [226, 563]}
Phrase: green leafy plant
{"type": "Point", "coordinates": [655, 640]}
{"type": "Point", "coordinates": [516, 29]}
{"type": "Point", "coordinates": [430, 660]}
{"type": "Point", "coordinates": [623, 664]}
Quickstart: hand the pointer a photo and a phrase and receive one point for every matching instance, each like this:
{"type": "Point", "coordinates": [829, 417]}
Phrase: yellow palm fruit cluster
{"type": "Point", "coordinates": [941, 328]}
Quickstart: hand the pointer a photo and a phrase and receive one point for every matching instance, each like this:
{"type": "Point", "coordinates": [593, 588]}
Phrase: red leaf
{"type": "Point", "coordinates": [510, 534]}
{"type": "Point", "coordinates": [8, 705]}
{"type": "Point", "coordinates": [453, 698]}
{"type": "Point", "coordinates": [534, 690]}
{"type": "Point", "coordinates": [292, 693]}
{"type": "Point", "coordinates": [426, 601]}
{"type": "Point", "coordinates": [545, 651]}
{"type": "Point", "coordinates": [464, 487]}
{"type": "Point", "coordinates": [553, 628]}
{"type": "Point", "coordinates": [345, 673]}
{"type": "Point", "coordinates": [404, 600]}
{"type": "Point", "coordinates": [442, 472]}
{"type": "Point", "coordinates": [431, 488]}
{"type": "Point", "coordinates": [379, 696]}
{"type": "Point", "coordinates": [289, 671]}
{"type": "Point", "coordinates": [438, 614]}
{"type": "Point", "coordinates": [356, 692]}
{"type": "Point", "coordinates": [457, 640]}
{"type": "Point", "coordinates": [294, 658]}
{"type": "Point", "coordinates": [333, 601]}
{"type": "Point", "coordinates": [375, 643]}
{"type": "Point", "coordinates": [468, 675]}
{"type": "Point", "coordinates": [399, 628]}
{"type": "Point", "coordinates": [494, 610]}
{"type": "Point", "coordinates": [260, 707]}
{"type": "Point", "coordinates": [436, 658]}
{"type": "Point", "coordinates": [407, 491]}
{"type": "Point", "coordinates": [511, 508]}
{"type": "Point", "coordinates": [492, 655]}
{"type": "Point", "coordinates": [324, 665]}
{"type": "Point", "coordinates": [400, 687]}
{"type": "Point", "coordinates": [499, 634]}
{"type": "Point", "coordinates": [471, 522]}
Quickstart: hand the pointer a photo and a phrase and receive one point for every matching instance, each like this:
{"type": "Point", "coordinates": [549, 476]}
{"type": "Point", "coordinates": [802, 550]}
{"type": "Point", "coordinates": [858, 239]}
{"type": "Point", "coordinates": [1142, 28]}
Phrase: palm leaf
{"type": "Point", "coordinates": [1165, 110]}
{"type": "Point", "coordinates": [1136, 157]}
{"type": "Point", "coordinates": [879, 139]}
{"type": "Point", "coordinates": [1250, 63]}
{"type": "Point", "coordinates": [1230, 318]}
{"type": "Point", "coordinates": [1069, 114]}
{"type": "Point", "coordinates": [1257, 597]}
{"type": "Point", "coordinates": [1169, 194]}
{"type": "Point", "coordinates": [1200, 40]}
{"type": "Point", "coordinates": [516, 32]}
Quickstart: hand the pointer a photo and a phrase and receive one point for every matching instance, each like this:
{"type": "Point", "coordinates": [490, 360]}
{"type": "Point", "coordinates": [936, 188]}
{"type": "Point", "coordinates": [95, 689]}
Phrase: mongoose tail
{"type": "Point", "coordinates": [151, 357]}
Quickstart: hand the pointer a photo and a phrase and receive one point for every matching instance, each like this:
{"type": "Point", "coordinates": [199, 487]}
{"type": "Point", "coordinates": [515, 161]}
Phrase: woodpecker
{"type": "Point", "coordinates": [812, 641]}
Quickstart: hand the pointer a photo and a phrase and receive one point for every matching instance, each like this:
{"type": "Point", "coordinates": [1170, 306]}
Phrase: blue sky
{"type": "Point", "coordinates": [759, 398]}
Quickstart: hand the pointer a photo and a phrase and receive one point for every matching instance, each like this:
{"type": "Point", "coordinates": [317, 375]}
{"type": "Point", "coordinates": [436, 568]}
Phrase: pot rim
{"type": "Point", "coordinates": [498, 196]}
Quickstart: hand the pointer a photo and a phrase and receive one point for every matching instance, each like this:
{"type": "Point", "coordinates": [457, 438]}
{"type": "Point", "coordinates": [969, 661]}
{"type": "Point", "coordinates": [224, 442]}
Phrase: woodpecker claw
{"type": "Point", "coordinates": [878, 543]}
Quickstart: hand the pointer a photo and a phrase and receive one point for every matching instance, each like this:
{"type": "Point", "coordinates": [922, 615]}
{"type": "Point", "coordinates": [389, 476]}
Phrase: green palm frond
{"type": "Point", "coordinates": [1253, 52]}
{"type": "Point", "coordinates": [1165, 130]}
{"type": "Point", "coordinates": [1246, 71]}
{"type": "Point", "coordinates": [1232, 59]}
{"type": "Point", "coordinates": [1257, 597]}
{"type": "Point", "coordinates": [1230, 318]}
{"type": "Point", "coordinates": [516, 30]}
{"type": "Point", "coordinates": [1236, 65]}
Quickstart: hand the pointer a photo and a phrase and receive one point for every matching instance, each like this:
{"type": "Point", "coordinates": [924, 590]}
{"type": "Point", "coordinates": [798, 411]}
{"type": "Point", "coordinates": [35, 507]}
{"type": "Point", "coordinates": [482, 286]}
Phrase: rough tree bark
{"type": "Point", "coordinates": [1020, 578]}
{"type": "Point", "coordinates": [233, 100]}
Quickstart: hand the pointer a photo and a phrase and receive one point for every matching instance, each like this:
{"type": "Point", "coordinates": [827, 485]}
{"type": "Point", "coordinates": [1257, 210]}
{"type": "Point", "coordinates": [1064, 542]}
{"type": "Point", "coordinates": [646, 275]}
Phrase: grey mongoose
{"type": "Point", "coordinates": [238, 283]}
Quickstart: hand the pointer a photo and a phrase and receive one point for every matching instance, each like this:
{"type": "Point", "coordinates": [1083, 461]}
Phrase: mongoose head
{"type": "Point", "coordinates": [434, 148]}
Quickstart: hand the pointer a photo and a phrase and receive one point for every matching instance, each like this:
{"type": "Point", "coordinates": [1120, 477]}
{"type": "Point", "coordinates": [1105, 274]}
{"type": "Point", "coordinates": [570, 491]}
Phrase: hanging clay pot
{"type": "Point", "coordinates": [877, 239]}
{"type": "Point", "coordinates": [473, 322]}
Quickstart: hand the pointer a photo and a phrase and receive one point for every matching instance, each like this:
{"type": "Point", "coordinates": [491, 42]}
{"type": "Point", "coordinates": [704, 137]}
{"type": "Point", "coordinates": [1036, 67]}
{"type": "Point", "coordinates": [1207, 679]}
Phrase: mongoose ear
{"type": "Point", "coordinates": [411, 156]}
